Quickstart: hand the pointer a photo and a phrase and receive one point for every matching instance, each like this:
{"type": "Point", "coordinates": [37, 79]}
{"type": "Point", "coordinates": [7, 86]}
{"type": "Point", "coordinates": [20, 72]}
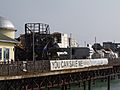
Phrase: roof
{"type": "Point", "coordinates": [5, 23]}
{"type": "Point", "coordinates": [4, 38]}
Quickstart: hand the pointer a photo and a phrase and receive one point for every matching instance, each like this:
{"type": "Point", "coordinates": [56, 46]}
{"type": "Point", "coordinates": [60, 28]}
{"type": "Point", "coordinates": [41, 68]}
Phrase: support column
{"type": "Point", "coordinates": [89, 84]}
{"type": "Point", "coordinates": [79, 84]}
{"type": "Point", "coordinates": [118, 76]}
{"type": "Point", "coordinates": [23, 85]}
{"type": "Point", "coordinates": [48, 88]}
{"type": "Point", "coordinates": [32, 88]}
{"type": "Point", "coordinates": [69, 87]}
{"type": "Point", "coordinates": [108, 83]}
{"type": "Point", "coordinates": [84, 84]}
{"type": "Point", "coordinates": [64, 87]}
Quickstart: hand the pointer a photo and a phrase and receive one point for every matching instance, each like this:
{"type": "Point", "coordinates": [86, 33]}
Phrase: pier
{"type": "Point", "coordinates": [29, 75]}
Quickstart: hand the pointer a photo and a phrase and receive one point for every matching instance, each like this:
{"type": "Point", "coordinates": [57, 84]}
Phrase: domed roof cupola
{"type": "Point", "coordinates": [7, 28]}
{"type": "Point", "coordinates": [6, 24]}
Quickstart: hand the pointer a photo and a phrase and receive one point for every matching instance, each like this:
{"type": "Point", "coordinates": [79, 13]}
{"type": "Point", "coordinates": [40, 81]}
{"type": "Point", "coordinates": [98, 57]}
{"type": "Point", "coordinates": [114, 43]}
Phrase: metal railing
{"type": "Point", "coordinates": [20, 67]}
{"type": "Point", "coordinates": [114, 61]}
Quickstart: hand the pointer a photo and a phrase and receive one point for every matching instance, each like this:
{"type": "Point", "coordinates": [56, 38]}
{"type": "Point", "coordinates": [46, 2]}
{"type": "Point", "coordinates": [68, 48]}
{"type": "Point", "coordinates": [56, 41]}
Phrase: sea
{"type": "Point", "coordinates": [98, 85]}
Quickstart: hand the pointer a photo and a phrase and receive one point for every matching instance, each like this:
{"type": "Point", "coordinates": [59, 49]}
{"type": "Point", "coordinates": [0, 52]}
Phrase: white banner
{"type": "Point", "coordinates": [72, 64]}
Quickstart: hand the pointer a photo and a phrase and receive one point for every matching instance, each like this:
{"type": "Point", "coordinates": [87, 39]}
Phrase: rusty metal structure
{"type": "Point", "coordinates": [37, 43]}
{"type": "Point", "coordinates": [13, 76]}
{"type": "Point", "coordinates": [31, 70]}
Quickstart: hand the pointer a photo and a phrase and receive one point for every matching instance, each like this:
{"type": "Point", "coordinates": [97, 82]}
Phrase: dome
{"type": "Point", "coordinates": [5, 23]}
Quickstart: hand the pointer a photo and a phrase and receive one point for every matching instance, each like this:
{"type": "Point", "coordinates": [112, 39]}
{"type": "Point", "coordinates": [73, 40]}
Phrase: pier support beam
{"type": "Point", "coordinates": [84, 84]}
{"type": "Point", "coordinates": [108, 83]}
{"type": "Point", "coordinates": [48, 88]}
{"type": "Point", "coordinates": [64, 87]}
{"type": "Point", "coordinates": [79, 84]}
{"type": "Point", "coordinates": [69, 87]}
{"type": "Point", "coordinates": [89, 84]}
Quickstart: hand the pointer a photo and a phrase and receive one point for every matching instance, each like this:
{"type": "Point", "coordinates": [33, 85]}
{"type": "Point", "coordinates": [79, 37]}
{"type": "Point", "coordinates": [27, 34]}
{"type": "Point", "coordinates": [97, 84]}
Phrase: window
{"type": "Point", "coordinates": [6, 54]}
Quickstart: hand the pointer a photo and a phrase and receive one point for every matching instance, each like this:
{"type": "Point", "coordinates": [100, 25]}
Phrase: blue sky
{"type": "Point", "coordinates": [85, 19]}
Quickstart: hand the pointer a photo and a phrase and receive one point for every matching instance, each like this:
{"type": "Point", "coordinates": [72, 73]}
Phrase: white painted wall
{"type": "Point", "coordinates": [10, 46]}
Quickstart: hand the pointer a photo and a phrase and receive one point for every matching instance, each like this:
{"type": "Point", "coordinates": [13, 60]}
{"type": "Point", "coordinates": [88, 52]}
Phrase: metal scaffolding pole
{"type": "Point", "coordinates": [70, 45]}
{"type": "Point", "coordinates": [33, 48]}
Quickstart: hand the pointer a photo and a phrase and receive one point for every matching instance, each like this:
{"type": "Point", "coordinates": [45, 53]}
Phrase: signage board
{"type": "Point", "coordinates": [78, 63]}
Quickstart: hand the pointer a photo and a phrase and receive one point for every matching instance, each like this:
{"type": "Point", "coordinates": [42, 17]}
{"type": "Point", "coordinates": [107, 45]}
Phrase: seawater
{"type": "Point", "coordinates": [99, 85]}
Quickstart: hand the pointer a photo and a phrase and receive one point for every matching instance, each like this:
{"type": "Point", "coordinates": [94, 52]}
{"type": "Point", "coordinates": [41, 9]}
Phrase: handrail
{"type": "Point", "coordinates": [20, 67]}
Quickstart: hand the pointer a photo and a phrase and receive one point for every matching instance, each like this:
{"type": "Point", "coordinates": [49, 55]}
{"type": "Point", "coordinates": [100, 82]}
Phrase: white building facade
{"type": "Point", "coordinates": [64, 40]}
{"type": "Point", "coordinates": [7, 40]}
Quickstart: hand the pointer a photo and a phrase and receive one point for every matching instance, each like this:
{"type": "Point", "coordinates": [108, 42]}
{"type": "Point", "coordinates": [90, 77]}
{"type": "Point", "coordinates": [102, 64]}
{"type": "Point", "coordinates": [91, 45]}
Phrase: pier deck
{"type": "Point", "coordinates": [59, 72]}
{"type": "Point", "coordinates": [38, 75]}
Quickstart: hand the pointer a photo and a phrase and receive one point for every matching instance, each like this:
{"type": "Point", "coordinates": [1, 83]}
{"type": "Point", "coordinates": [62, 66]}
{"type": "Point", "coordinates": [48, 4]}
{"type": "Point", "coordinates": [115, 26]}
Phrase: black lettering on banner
{"type": "Point", "coordinates": [80, 63]}
{"type": "Point", "coordinates": [62, 64]}
{"type": "Point", "coordinates": [53, 65]}
{"type": "Point", "coordinates": [65, 63]}
{"type": "Point", "coordinates": [70, 64]}
{"type": "Point", "coordinates": [58, 64]}
{"type": "Point", "coordinates": [76, 63]}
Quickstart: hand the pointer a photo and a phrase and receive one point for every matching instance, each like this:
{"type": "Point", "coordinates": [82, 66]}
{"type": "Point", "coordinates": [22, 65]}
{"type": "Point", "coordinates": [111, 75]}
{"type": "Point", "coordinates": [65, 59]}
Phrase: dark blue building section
{"type": "Point", "coordinates": [75, 53]}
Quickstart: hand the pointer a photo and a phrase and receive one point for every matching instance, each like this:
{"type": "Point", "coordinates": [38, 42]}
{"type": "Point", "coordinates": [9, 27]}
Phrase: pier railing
{"type": "Point", "coordinates": [114, 61]}
{"type": "Point", "coordinates": [20, 67]}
